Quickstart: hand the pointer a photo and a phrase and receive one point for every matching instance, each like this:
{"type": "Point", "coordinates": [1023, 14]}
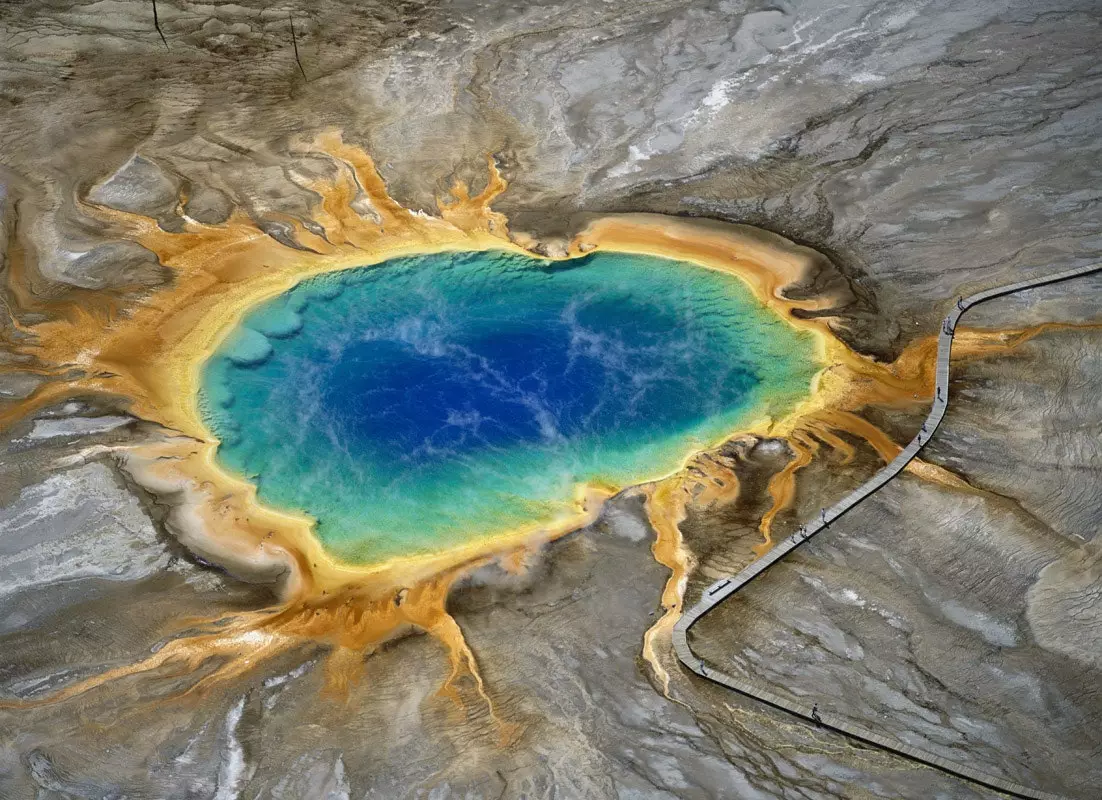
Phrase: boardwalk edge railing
{"type": "Point", "coordinates": [726, 587]}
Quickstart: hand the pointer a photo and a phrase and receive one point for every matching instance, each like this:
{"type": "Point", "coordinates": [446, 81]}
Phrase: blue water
{"type": "Point", "coordinates": [434, 400]}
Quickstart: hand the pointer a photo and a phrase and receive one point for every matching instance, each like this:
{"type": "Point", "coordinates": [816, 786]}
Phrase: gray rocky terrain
{"type": "Point", "coordinates": [928, 148]}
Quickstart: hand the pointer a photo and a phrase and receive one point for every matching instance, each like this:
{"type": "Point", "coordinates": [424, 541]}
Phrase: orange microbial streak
{"type": "Point", "coordinates": [150, 353]}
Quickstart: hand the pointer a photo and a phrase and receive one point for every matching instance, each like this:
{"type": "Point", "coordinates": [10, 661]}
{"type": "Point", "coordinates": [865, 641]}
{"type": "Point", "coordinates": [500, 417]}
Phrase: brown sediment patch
{"type": "Point", "coordinates": [151, 354]}
{"type": "Point", "coordinates": [782, 486]}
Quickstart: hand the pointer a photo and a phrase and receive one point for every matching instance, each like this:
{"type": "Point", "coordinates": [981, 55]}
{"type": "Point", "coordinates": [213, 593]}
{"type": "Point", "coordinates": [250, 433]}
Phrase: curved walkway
{"type": "Point", "coordinates": [722, 589]}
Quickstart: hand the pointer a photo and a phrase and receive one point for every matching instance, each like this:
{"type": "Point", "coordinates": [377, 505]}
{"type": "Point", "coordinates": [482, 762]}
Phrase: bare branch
{"type": "Point", "coordinates": [157, 25]}
{"type": "Point", "coordinates": [294, 43]}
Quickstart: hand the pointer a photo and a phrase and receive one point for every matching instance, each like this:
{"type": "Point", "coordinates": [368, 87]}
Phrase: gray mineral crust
{"type": "Point", "coordinates": [928, 149]}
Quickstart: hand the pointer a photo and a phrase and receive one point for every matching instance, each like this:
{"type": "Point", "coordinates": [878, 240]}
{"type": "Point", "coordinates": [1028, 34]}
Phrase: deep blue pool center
{"type": "Point", "coordinates": [430, 401]}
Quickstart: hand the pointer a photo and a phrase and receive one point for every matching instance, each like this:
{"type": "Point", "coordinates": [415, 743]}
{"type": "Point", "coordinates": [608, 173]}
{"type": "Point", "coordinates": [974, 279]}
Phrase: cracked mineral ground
{"type": "Point", "coordinates": [285, 517]}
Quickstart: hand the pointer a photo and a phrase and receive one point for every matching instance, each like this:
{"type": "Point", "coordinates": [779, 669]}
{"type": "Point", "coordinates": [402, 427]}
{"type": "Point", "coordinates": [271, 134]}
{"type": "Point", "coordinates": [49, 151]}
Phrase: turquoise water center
{"type": "Point", "coordinates": [432, 401]}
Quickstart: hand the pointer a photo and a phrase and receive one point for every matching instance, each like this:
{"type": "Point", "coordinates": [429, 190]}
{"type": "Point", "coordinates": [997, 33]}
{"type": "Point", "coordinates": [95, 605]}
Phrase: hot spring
{"type": "Point", "coordinates": [437, 400]}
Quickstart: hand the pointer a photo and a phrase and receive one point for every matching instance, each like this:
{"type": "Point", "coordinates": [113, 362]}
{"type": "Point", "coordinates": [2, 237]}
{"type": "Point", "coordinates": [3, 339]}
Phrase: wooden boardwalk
{"type": "Point", "coordinates": [722, 589]}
